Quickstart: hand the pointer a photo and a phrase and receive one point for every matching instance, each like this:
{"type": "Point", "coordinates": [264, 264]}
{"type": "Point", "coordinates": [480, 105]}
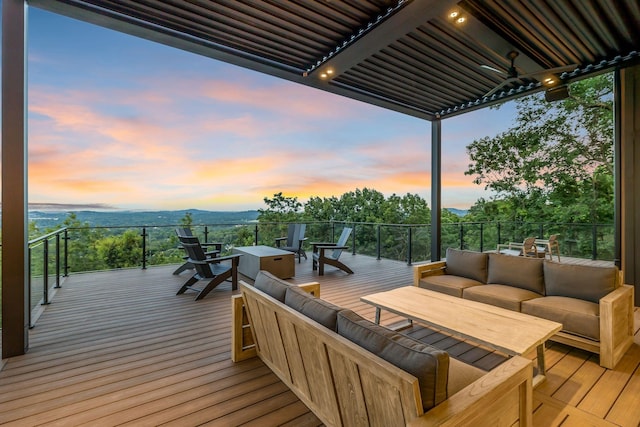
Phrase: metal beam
{"type": "Point", "coordinates": [409, 17]}
{"type": "Point", "coordinates": [436, 189]}
{"type": "Point", "coordinates": [629, 122]}
{"type": "Point", "coordinates": [15, 301]}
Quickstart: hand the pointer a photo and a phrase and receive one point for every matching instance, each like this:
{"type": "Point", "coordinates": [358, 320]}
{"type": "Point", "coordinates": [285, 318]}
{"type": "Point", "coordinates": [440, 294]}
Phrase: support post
{"type": "Point", "coordinates": [628, 90]}
{"type": "Point", "coordinates": [15, 268]}
{"type": "Point", "coordinates": [436, 189]}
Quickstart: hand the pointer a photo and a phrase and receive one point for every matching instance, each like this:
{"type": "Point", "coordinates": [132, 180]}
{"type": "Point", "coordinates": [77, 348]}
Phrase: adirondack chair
{"type": "Point", "coordinates": [186, 232]}
{"type": "Point", "coordinates": [294, 240]}
{"type": "Point", "coordinates": [527, 248]}
{"type": "Point", "coordinates": [328, 253]}
{"type": "Point", "coordinates": [548, 247]}
{"type": "Point", "coordinates": [212, 270]}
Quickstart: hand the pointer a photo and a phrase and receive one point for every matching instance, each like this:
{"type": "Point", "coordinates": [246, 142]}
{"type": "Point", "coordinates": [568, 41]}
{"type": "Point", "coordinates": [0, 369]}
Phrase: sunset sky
{"type": "Point", "coordinates": [133, 124]}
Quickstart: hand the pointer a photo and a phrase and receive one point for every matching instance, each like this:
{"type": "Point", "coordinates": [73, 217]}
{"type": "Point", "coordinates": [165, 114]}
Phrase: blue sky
{"type": "Point", "coordinates": [133, 124]}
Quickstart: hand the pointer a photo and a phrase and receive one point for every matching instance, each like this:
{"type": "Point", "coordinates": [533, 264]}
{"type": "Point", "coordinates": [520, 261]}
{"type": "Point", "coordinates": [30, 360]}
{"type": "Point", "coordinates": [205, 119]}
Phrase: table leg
{"type": "Point", "coordinates": [541, 374]}
{"type": "Point", "coordinates": [377, 316]}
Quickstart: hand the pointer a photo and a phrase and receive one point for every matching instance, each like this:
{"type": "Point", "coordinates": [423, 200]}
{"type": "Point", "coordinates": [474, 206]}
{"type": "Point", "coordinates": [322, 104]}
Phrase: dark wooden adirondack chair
{"type": "Point", "coordinates": [328, 253]}
{"type": "Point", "coordinates": [212, 270]}
{"type": "Point", "coordinates": [186, 232]}
{"type": "Point", "coordinates": [294, 240]}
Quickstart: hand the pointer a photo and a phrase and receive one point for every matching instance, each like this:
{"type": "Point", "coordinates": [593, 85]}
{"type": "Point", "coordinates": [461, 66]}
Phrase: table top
{"type": "Point", "coordinates": [509, 331]}
{"type": "Point", "coordinates": [261, 251]}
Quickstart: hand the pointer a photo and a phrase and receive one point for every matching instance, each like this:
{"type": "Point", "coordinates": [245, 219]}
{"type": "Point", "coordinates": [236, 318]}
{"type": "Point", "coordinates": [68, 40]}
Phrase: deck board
{"type": "Point", "coordinates": [120, 348]}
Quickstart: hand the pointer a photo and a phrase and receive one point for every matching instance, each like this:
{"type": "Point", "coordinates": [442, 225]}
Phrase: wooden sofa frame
{"type": "Point", "coordinates": [344, 384]}
{"type": "Point", "coordinates": [616, 319]}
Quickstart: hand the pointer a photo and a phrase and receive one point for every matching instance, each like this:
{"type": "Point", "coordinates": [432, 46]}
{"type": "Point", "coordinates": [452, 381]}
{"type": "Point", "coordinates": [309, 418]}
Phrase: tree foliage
{"type": "Point", "coordinates": [555, 163]}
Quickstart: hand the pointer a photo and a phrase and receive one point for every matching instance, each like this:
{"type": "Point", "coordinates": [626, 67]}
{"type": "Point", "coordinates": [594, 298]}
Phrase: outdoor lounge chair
{"type": "Point", "coordinates": [213, 270]}
{"type": "Point", "coordinates": [527, 248]}
{"type": "Point", "coordinates": [328, 253]}
{"type": "Point", "coordinates": [548, 247]}
{"type": "Point", "coordinates": [186, 232]}
{"type": "Point", "coordinates": [294, 240]}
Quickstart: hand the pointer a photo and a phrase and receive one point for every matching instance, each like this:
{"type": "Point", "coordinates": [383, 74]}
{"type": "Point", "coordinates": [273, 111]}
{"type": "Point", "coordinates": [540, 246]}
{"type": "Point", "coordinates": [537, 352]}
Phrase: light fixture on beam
{"type": "Point", "coordinates": [557, 93]}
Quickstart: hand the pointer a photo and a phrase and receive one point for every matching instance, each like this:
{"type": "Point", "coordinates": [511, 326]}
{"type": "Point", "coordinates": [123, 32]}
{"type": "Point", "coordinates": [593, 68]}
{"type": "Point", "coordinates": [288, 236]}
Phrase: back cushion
{"type": "Point", "coordinates": [271, 285]}
{"type": "Point", "coordinates": [579, 281]}
{"type": "Point", "coordinates": [518, 271]}
{"type": "Point", "coordinates": [469, 264]}
{"type": "Point", "coordinates": [314, 308]}
{"type": "Point", "coordinates": [428, 364]}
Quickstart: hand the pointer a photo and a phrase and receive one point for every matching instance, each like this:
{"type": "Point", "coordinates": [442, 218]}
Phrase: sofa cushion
{"type": "Point", "coordinates": [521, 272]}
{"type": "Point", "coordinates": [314, 308]}
{"type": "Point", "coordinates": [447, 284]}
{"type": "Point", "coordinates": [508, 297]}
{"type": "Point", "coordinates": [271, 285]}
{"type": "Point", "coordinates": [579, 281]}
{"type": "Point", "coordinates": [461, 375]}
{"type": "Point", "coordinates": [469, 264]}
{"type": "Point", "coordinates": [578, 317]}
{"type": "Point", "coordinates": [428, 364]}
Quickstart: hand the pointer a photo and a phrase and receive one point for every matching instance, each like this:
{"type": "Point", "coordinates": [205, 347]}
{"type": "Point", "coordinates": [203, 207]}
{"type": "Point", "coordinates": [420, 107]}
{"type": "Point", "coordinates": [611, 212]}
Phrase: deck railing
{"type": "Point", "coordinates": [81, 249]}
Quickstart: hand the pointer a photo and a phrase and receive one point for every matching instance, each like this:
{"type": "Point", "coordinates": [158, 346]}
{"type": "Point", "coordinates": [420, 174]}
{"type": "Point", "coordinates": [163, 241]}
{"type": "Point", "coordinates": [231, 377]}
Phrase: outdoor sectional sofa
{"type": "Point", "coordinates": [350, 371]}
{"type": "Point", "coordinates": [594, 307]}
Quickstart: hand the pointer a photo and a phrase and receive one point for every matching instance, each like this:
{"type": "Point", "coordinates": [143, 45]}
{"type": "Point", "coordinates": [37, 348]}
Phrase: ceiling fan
{"type": "Point", "coordinates": [512, 75]}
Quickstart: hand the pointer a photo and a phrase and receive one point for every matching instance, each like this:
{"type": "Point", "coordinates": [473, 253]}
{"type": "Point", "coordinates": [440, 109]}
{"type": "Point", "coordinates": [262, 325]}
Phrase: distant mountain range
{"type": "Point", "coordinates": [459, 212]}
{"type": "Point", "coordinates": [107, 218]}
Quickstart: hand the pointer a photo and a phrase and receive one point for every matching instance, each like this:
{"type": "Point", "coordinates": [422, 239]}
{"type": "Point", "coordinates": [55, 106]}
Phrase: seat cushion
{"type": "Point", "coordinates": [579, 281]}
{"type": "Point", "coordinates": [508, 297]}
{"type": "Point", "coordinates": [447, 284]}
{"type": "Point", "coordinates": [469, 264]}
{"type": "Point", "coordinates": [428, 364]}
{"type": "Point", "coordinates": [271, 285]}
{"type": "Point", "coordinates": [578, 317]}
{"type": "Point", "coordinates": [314, 308]}
{"type": "Point", "coordinates": [518, 271]}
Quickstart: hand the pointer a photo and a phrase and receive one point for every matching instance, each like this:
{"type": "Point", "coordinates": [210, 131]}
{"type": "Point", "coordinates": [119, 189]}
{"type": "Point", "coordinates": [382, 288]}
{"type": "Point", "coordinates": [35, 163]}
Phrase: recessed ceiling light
{"type": "Point", "coordinates": [461, 20]}
{"type": "Point", "coordinates": [323, 75]}
{"type": "Point", "coordinates": [330, 71]}
{"type": "Point", "coordinates": [454, 14]}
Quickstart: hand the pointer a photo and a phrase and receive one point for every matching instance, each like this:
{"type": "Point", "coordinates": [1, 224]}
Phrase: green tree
{"type": "Point", "coordinates": [557, 160]}
{"type": "Point", "coordinates": [124, 250]}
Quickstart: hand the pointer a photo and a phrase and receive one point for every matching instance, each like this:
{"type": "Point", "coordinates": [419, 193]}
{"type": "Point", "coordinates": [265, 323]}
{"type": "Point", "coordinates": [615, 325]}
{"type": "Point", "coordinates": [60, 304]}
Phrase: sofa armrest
{"type": "Point", "coordinates": [506, 391]}
{"type": "Point", "coordinates": [435, 268]}
{"type": "Point", "coordinates": [616, 325]}
{"type": "Point", "coordinates": [242, 341]}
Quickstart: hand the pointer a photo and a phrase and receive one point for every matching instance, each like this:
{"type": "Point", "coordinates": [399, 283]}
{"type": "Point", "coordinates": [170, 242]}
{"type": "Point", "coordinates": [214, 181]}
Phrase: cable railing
{"type": "Point", "coordinates": [84, 249]}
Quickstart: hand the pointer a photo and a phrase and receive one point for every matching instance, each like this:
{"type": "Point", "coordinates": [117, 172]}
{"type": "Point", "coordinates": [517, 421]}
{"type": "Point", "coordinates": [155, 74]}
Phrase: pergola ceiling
{"type": "Point", "coordinates": [407, 56]}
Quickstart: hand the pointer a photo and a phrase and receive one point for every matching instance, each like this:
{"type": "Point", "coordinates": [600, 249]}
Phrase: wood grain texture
{"type": "Point", "coordinates": [120, 348]}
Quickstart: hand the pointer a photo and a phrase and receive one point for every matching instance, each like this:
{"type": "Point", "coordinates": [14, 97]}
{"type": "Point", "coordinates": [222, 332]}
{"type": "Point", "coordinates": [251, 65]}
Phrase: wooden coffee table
{"type": "Point", "coordinates": [508, 331]}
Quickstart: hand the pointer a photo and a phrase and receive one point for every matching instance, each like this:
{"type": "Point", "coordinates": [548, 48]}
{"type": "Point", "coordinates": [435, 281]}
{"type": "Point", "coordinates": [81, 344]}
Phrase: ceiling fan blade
{"type": "Point", "coordinates": [555, 70]}
{"type": "Point", "coordinates": [497, 88]}
{"type": "Point", "coordinates": [495, 70]}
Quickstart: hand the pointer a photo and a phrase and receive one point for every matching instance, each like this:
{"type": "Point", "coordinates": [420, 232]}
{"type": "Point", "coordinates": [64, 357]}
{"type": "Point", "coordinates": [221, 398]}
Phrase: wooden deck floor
{"type": "Point", "coordinates": [120, 348]}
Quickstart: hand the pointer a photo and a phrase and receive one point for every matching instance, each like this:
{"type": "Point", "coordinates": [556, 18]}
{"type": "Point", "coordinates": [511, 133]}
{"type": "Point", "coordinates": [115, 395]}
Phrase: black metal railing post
{"type": "Point", "coordinates": [461, 236]}
{"type": "Point", "coordinates": [58, 260]}
{"type": "Point", "coordinates": [66, 252]}
{"type": "Point", "coordinates": [206, 233]}
{"type": "Point", "coordinates": [354, 240]}
{"type": "Point", "coordinates": [499, 236]}
{"type": "Point", "coordinates": [540, 231]}
{"type": "Point", "coordinates": [482, 237]}
{"type": "Point", "coordinates": [144, 248]}
{"type": "Point", "coordinates": [378, 249]}
{"type": "Point", "coordinates": [29, 283]}
{"type": "Point", "coordinates": [256, 236]}
{"type": "Point", "coordinates": [45, 272]}
{"type": "Point", "coordinates": [594, 238]}
{"type": "Point", "coordinates": [409, 245]}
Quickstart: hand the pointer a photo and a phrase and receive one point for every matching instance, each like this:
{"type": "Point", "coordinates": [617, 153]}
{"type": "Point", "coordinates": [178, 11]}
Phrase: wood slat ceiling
{"type": "Point", "coordinates": [405, 55]}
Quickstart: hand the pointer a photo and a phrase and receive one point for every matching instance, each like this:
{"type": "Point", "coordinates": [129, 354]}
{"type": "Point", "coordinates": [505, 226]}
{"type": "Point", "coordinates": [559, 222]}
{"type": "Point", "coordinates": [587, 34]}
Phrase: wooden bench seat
{"type": "Point", "coordinates": [344, 384]}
